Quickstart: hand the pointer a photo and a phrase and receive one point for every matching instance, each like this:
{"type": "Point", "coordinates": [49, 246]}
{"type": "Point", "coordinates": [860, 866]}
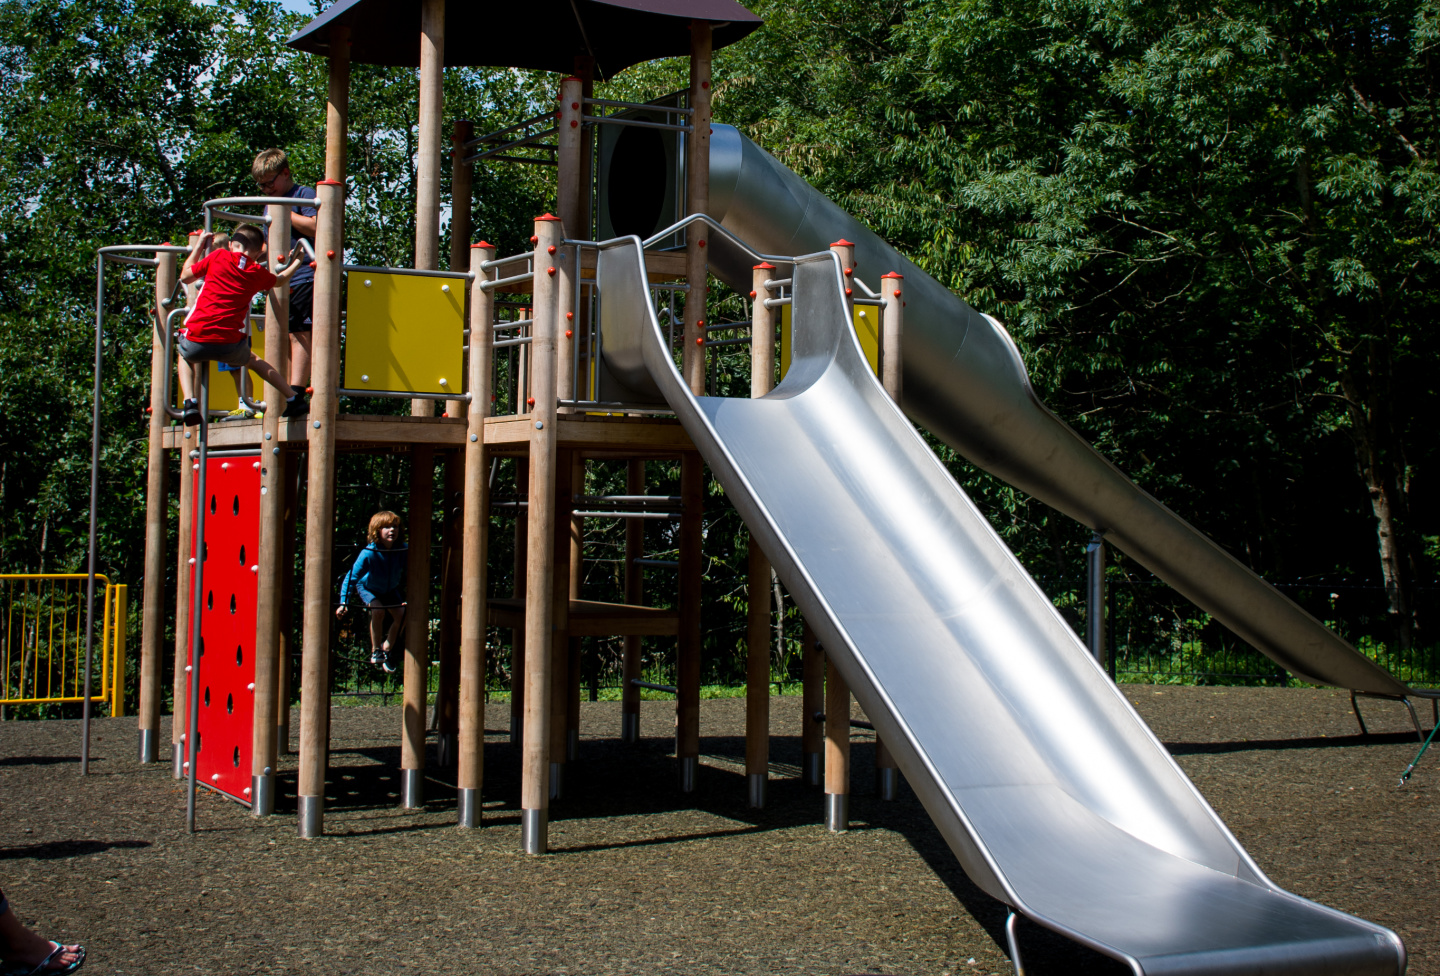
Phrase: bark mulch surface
{"type": "Point", "coordinates": [643, 879]}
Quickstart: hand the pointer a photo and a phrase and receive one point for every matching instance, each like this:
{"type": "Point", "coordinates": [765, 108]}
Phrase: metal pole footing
{"type": "Point", "coordinates": [572, 745]}
{"type": "Point", "coordinates": [262, 793]}
{"type": "Point", "coordinates": [468, 807]}
{"type": "Point", "coordinates": [629, 728]}
{"type": "Point", "coordinates": [534, 831]}
{"type": "Point", "coordinates": [837, 812]}
{"type": "Point", "coordinates": [557, 780]}
{"type": "Point", "coordinates": [759, 784]}
{"type": "Point", "coordinates": [148, 751]}
{"type": "Point", "coordinates": [177, 760]}
{"type": "Point", "coordinates": [813, 768]}
{"type": "Point", "coordinates": [312, 816]}
{"type": "Point", "coordinates": [412, 788]}
{"type": "Point", "coordinates": [686, 770]}
{"type": "Point", "coordinates": [445, 751]}
{"type": "Point", "coordinates": [887, 782]}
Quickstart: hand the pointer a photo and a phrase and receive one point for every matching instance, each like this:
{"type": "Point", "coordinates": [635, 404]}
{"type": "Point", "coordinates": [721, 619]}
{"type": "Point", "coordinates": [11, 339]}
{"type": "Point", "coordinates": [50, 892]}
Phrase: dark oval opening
{"type": "Point", "coordinates": [212, 504]}
{"type": "Point", "coordinates": [232, 602]}
{"type": "Point", "coordinates": [229, 704]}
{"type": "Point", "coordinates": [239, 655]}
{"type": "Point", "coordinates": [237, 757]}
{"type": "Point", "coordinates": [210, 601]}
{"type": "Point", "coordinates": [235, 505]}
{"type": "Point", "coordinates": [637, 182]}
{"type": "Point", "coordinates": [242, 555]}
{"type": "Point", "coordinates": [207, 696]}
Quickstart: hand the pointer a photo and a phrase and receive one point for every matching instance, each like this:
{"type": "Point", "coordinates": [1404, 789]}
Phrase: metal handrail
{"type": "Point", "coordinates": [640, 106]}
{"type": "Point", "coordinates": [403, 394]}
{"type": "Point", "coordinates": [496, 134]}
{"type": "Point", "coordinates": [415, 272]}
{"type": "Point", "coordinates": [639, 123]}
{"type": "Point", "coordinates": [210, 207]}
{"type": "Point", "coordinates": [528, 140]}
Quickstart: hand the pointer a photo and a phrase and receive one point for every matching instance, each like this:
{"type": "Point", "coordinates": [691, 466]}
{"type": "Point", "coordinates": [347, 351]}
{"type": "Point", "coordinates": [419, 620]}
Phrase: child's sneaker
{"type": "Point", "coordinates": [241, 413]}
{"type": "Point", "coordinates": [192, 413]}
{"type": "Point", "coordinates": [296, 407]}
{"type": "Point", "coordinates": [377, 658]}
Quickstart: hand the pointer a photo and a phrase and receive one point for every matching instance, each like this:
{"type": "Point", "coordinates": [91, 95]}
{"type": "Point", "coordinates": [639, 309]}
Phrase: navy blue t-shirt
{"type": "Point", "coordinates": [298, 192]}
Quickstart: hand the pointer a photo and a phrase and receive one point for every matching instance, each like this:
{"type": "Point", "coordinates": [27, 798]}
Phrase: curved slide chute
{"type": "Point", "coordinates": [1049, 788]}
{"type": "Point", "coordinates": [965, 382]}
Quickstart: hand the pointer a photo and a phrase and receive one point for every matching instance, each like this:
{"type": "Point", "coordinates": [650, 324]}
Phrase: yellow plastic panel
{"type": "Point", "coordinates": [867, 327]}
{"type": "Point", "coordinates": [222, 384]}
{"type": "Point", "coordinates": [405, 333]}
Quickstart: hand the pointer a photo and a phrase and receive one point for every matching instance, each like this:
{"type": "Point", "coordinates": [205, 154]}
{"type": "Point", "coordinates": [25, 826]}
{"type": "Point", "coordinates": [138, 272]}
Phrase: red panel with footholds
{"type": "Point", "coordinates": [227, 623]}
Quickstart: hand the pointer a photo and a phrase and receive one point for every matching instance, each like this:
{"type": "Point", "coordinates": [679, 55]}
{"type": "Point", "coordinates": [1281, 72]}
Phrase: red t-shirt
{"type": "Point", "coordinates": [224, 303]}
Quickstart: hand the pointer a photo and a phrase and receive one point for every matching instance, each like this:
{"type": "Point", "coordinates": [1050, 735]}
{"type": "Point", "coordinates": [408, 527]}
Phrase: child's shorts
{"type": "Point", "coordinates": [378, 601]}
{"type": "Point", "coordinates": [230, 353]}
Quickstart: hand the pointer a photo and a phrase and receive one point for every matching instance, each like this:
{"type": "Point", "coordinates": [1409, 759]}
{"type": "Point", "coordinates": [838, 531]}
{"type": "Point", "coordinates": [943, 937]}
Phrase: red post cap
{"type": "Point", "coordinates": [484, 244]}
{"type": "Point", "coordinates": [764, 266]}
{"type": "Point", "coordinates": [842, 242]}
{"type": "Point", "coordinates": [547, 216]}
{"type": "Point", "coordinates": [892, 274]}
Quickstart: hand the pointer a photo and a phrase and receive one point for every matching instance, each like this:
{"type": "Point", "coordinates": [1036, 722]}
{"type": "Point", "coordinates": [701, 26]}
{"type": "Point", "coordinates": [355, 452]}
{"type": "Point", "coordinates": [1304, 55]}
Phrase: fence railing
{"type": "Point", "coordinates": [42, 645]}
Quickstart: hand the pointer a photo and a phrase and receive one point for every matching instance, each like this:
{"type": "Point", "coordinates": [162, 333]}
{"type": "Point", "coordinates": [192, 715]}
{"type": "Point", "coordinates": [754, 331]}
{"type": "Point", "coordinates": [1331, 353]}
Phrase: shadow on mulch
{"type": "Point", "coordinates": [67, 849]}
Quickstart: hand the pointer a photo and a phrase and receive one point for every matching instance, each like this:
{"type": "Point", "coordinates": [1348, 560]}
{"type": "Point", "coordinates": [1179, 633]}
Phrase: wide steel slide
{"type": "Point", "coordinates": [964, 381]}
{"type": "Point", "coordinates": [1052, 792]}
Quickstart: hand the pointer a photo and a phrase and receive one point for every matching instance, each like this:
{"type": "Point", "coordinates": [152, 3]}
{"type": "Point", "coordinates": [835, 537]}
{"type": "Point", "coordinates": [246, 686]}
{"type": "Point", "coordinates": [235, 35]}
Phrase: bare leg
{"type": "Point", "coordinates": [20, 946]}
{"type": "Point", "coordinates": [187, 380]}
{"type": "Point", "coordinates": [300, 359]}
{"type": "Point", "coordinates": [398, 618]}
{"type": "Point", "coordinates": [377, 627]}
{"type": "Point", "coordinates": [239, 390]}
{"type": "Point", "coordinates": [269, 373]}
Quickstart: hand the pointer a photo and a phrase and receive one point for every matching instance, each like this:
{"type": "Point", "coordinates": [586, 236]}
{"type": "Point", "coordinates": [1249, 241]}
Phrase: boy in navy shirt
{"type": "Point", "coordinates": [271, 170]}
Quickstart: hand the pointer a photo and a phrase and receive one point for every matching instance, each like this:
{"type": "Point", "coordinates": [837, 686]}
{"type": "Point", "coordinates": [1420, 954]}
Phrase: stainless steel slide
{"type": "Point", "coordinates": [1052, 792]}
{"type": "Point", "coordinates": [965, 382]}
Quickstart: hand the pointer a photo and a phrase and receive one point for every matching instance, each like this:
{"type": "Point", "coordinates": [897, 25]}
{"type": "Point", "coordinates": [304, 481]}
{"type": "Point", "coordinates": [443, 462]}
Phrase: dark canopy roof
{"type": "Point", "coordinates": [545, 34]}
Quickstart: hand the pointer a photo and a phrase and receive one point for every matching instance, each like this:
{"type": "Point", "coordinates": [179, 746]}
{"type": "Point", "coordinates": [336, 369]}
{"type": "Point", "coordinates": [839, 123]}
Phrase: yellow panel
{"type": "Point", "coordinates": [222, 384]}
{"type": "Point", "coordinates": [405, 333]}
{"type": "Point", "coordinates": [867, 327]}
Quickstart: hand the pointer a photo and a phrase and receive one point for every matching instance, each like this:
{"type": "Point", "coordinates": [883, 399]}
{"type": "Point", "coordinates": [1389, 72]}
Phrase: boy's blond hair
{"type": "Point", "coordinates": [221, 242]}
{"type": "Point", "coordinates": [267, 163]}
{"type": "Point", "coordinates": [379, 521]}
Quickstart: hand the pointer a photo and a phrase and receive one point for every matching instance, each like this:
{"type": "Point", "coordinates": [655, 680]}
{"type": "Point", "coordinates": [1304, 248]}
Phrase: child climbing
{"type": "Point", "coordinates": [241, 412]}
{"type": "Point", "coordinates": [375, 575]}
{"type": "Point", "coordinates": [216, 330]}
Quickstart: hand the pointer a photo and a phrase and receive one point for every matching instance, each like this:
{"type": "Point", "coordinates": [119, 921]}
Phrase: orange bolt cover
{"type": "Point", "coordinates": [312, 264]}
{"type": "Point", "coordinates": [550, 249]}
{"type": "Point", "coordinates": [550, 271]}
{"type": "Point", "coordinates": [752, 294]}
{"type": "Point", "coordinates": [702, 243]}
{"type": "Point", "coordinates": [533, 238]}
{"type": "Point", "coordinates": [573, 123]}
{"type": "Point", "coordinates": [530, 401]}
{"type": "Point", "coordinates": [849, 291]}
{"type": "Point", "coordinates": [569, 333]}
{"type": "Point", "coordinates": [701, 323]}
{"type": "Point", "coordinates": [493, 397]}
{"type": "Point", "coordinates": [309, 389]}
{"type": "Point", "coordinates": [849, 271]}
{"type": "Point", "coordinates": [569, 315]}
{"type": "Point", "coordinates": [444, 413]}
{"type": "Point", "coordinates": [897, 292]}
{"type": "Point", "coordinates": [704, 84]}
{"type": "Point", "coordinates": [699, 341]}
{"type": "Point", "coordinates": [330, 254]}
{"type": "Point", "coordinates": [574, 104]}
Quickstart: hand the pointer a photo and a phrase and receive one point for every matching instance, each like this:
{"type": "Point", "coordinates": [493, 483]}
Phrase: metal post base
{"type": "Point", "coordinates": [534, 831]}
{"type": "Point", "coordinates": [572, 745]}
{"type": "Point", "coordinates": [887, 782]}
{"type": "Point", "coordinates": [686, 770]}
{"type": "Point", "coordinates": [312, 816]}
{"type": "Point", "coordinates": [629, 728]}
{"type": "Point", "coordinates": [148, 753]}
{"type": "Point", "coordinates": [837, 812]}
{"type": "Point", "coordinates": [445, 749]}
{"type": "Point", "coordinates": [262, 793]}
{"type": "Point", "coordinates": [177, 761]}
{"type": "Point", "coordinates": [557, 780]}
{"type": "Point", "coordinates": [412, 788]}
{"type": "Point", "coordinates": [813, 768]}
{"type": "Point", "coordinates": [759, 784]}
{"type": "Point", "coordinates": [469, 807]}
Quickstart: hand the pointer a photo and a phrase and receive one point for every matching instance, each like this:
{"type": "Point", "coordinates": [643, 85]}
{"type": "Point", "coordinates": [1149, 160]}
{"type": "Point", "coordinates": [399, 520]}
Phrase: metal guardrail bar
{"type": "Point", "coordinates": [671, 689]}
{"type": "Point", "coordinates": [639, 499]}
{"type": "Point", "coordinates": [403, 395]}
{"type": "Point", "coordinates": [776, 302]}
{"type": "Point", "coordinates": [499, 133]}
{"type": "Point", "coordinates": [641, 106]}
{"type": "Point", "coordinates": [638, 123]}
{"type": "Point", "coordinates": [662, 516]}
{"type": "Point", "coordinates": [742, 340]}
{"type": "Point", "coordinates": [512, 280]}
{"type": "Point", "coordinates": [527, 140]}
{"type": "Point", "coordinates": [526, 256]}
{"type": "Point", "coordinates": [773, 283]}
{"type": "Point", "coordinates": [658, 563]}
{"type": "Point", "coordinates": [413, 272]}
{"type": "Point", "coordinates": [610, 406]}
{"type": "Point", "coordinates": [502, 343]}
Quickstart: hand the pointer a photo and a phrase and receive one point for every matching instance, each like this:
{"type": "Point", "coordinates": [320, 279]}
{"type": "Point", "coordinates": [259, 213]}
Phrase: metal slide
{"type": "Point", "coordinates": [965, 382]}
{"type": "Point", "coordinates": [1052, 792]}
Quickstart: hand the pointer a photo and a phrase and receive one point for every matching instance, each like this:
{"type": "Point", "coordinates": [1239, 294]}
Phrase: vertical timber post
{"type": "Point", "coordinates": [157, 478]}
{"type": "Point", "coordinates": [887, 775]}
{"type": "Point", "coordinates": [270, 558]}
{"type": "Point", "coordinates": [576, 536]}
{"type": "Point", "coordinates": [569, 141]}
{"type": "Point", "coordinates": [812, 703]}
{"type": "Point", "coordinates": [634, 586]}
{"type": "Point", "coordinates": [560, 624]}
{"type": "Point", "coordinates": [518, 591]}
{"type": "Point", "coordinates": [320, 426]}
{"type": "Point", "coordinates": [540, 546]}
{"type": "Point", "coordinates": [417, 628]}
{"type": "Point", "coordinates": [697, 200]}
{"type": "Point", "coordinates": [427, 157]}
{"type": "Point", "coordinates": [470, 770]}
{"type": "Point", "coordinates": [837, 749]}
{"type": "Point", "coordinates": [447, 694]}
{"type": "Point", "coordinates": [687, 676]}
{"type": "Point", "coordinates": [757, 652]}
{"type": "Point", "coordinates": [461, 200]}
{"type": "Point", "coordinates": [287, 605]}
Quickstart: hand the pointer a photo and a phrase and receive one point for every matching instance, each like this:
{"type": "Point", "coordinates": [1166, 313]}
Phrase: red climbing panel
{"type": "Point", "coordinates": [227, 623]}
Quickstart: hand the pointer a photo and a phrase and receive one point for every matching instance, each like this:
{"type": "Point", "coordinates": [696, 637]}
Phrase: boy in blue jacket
{"type": "Point", "coordinates": [376, 575]}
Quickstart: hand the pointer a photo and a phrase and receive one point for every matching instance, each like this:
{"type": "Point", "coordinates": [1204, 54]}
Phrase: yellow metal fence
{"type": "Point", "coordinates": [42, 644]}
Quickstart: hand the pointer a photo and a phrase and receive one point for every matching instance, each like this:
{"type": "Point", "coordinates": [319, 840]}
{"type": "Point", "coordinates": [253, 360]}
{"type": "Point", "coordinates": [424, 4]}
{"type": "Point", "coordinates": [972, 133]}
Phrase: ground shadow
{"type": "Point", "coordinates": [39, 760]}
{"type": "Point", "coordinates": [1313, 742]}
{"type": "Point", "coordinates": [54, 850]}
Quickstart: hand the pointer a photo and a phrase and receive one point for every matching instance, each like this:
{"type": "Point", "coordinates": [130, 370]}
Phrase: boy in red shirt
{"type": "Point", "coordinates": [216, 330]}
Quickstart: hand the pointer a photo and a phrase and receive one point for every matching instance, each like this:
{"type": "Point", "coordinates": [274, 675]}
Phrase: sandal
{"type": "Point", "coordinates": [45, 969]}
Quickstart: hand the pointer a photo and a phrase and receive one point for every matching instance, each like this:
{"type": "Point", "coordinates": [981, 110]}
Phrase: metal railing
{"type": "Point", "coordinates": [42, 646]}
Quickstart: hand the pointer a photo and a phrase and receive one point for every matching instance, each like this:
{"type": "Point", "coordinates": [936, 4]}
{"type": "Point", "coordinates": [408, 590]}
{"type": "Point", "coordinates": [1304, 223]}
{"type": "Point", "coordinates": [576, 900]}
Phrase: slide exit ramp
{"type": "Point", "coordinates": [1054, 795]}
{"type": "Point", "coordinates": [965, 382]}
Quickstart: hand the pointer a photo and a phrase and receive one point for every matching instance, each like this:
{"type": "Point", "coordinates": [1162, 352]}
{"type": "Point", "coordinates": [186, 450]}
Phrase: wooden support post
{"type": "Point", "coordinates": [427, 156]}
{"type": "Point", "coordinates": [576, 575]}
{"type": "Point", "coordinates": [287, 606]}
{"type": "Point", "coordinates": [634, 587]}
{"type": "Point", "coordinates": [812, 703]}
{"type": "Point", "coordinates": [697, 199]}
{"type": "Point", "coordinates": [462, 194]}
{"type": "Point", "coordinates": [540, 554]}
{"type": "Point", "coordinates": [846, 252]}
{"type": "Point", "coordinates": [757, 656]}
{"type": "Point", "coordinates": [569, 140]}
{"type": "Point", "coordinates": [517, 638]}
{"type": "Point", "coordinates": [184, 549]}
{"type": "Point", "coordinates": [320, 427]}
{"type": "Point", "coordinates": [417, 628]}
{"type": "Point", "coordinates": [560, 627]}
{"type": "Point", "coordinates": [270, 557]}
{"type": "Point", "coordinates": [887, 775]}
{"type": "Point", "coordinates": [687, 670]}
{"type": "Point", "coordinates": [475, 507]}
{"type": "Point", "coordinates": [157, 492]}
{"type": "Point", "coordinates": [837, 749]}
{"type": "Point", "coordinates": [447, 694]}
